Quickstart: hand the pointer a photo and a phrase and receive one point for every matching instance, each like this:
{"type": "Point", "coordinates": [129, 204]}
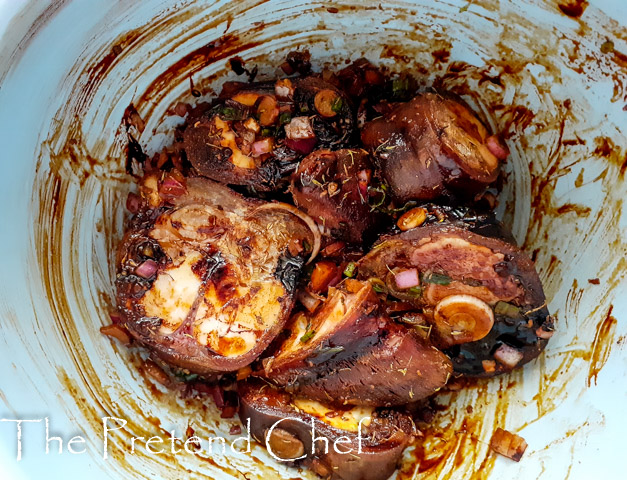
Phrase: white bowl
{"type": "Point", "coordinates": [551, 82]}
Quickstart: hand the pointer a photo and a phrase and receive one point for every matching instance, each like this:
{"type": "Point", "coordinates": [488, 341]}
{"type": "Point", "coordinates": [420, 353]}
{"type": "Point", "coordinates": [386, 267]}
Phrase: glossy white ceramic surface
{"type": "Point", "coordinates": [561, 102]}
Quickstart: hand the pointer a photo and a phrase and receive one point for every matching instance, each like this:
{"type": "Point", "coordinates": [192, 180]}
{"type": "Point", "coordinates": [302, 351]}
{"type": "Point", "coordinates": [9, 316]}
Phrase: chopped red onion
{"type": "Point", "coordinates": [261, 146]}
{"type": "Point", "coordinates": [147, 269]}
{"type": "Point", "coordinates": [407, 278]}
{"type": "Point", "coordinates": [181, 109]}
{"type": "Point", "coordinates": [172, 187]}
{"type": "Point", "coordinates": [363, 189]}
{"type": "Point", "coordinates": [133, 202]}
{"type": "Point", "coordinates": [497, 147]}
{"type": "Point", "coordinates": [218, 396]}
{"type": "Point", "coordinates": [309, 301]}
{"type": "Point", "coordinates": [303, 146]}
{"type": "Point", "coordinates": [364, 176]}
{"type": "Point", "coordinates": [508, 356]}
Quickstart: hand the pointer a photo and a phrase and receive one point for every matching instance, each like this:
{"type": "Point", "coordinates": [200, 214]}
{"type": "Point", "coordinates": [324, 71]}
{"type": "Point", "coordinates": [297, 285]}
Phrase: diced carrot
{"type": "Point", "coordinates": [326, 102]}
{"type": "Point", "coordinates": [268, 110]}
{"type": "Point", "coordinates": [116, 331]}
{"type": "Point", "coordinates": [156, 372]}
{"type": "Point", "coordinates": [489, 366]}
{"type": "Point", "coordinates": [333, 248]}
{"type": "Point", "coordinates": [244, 372]}
{"type": "Point", "coordinates": [508, 444]}
{"type": "Point", "coordinates": [323, 275]}
{"type": "Point", "coordinates": [374, 77]}
{"type": "Point", "coordinates": [246, 98]}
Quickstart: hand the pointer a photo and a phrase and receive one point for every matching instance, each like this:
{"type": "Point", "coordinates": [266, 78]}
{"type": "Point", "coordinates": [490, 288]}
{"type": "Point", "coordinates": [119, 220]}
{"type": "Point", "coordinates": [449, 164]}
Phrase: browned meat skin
{"type": "Point", "coordinates": [332, 187]}
{"type": "Point", "coordinates": [205, 281]}
{"type": "Point", "coordinates": [255, 134]}
{"type": "Point", "coordinates": [400, 368]}
{"type": "Point", "coordinates": [361, 79]}
{"type": "Point", "coordinates": [383, 439]}
{"type": "Point", "coordinates": [431, 147]}
{"type": "Point", "coordinates": [357, 356]}
{"type": "Point", "coordinates": [453, 260]}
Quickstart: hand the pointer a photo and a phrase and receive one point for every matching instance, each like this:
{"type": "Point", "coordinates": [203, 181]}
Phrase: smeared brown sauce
{"type": "Point", "coordinates": [220, 49]}
{"type": "Point", "coordinates": [601, 346]}
{"type": "Point", "coordinates": [604, 146]}
{"type": "Point", "coordinates": [573, 8]}
{"type": "Point", "coordinates": [442, 55]}
{"type": "Point", "coordinates": [456, 434]}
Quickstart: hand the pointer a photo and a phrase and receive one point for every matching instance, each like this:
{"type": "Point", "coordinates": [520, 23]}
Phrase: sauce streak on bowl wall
{"type": "Point", "coordinates": [563, 194]}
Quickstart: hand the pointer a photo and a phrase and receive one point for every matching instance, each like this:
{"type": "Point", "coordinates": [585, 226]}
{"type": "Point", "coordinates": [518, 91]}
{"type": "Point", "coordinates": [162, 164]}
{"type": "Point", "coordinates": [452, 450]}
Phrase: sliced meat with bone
{"type": "Point", "coordinates": [350, 353]}
{"type": "Point", "coordinates": [479, 294]}
{"type": "Point", "coordinates": [205, 279]}
{"type": "Point", "coordinates": [358, 443]}
{"type": "Point", "coordinates": [433, 146]}
{"type": "Point", "coordinates": [332, 187]}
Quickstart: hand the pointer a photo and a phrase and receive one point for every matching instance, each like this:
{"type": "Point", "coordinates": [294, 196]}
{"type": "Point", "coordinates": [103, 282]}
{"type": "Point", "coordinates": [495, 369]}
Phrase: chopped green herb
{"type": "Point", "coordinates": [423, 329]}
{"type": "Point", "coordinates": [186, 377]}
{"type": "Point", "coordinates": [378, 288]}
{"type": "Point", "coordinates": [304, 108]}
{"type": "Point", "coordinates": [329, 351]}
{"type": "Point", "coordinates": [409, 205]}
{"type": "Point", "coordinates": [337, 104]}
{"type": "Point", "coordinates": [465, 7]}
{"type": "Point", "coordinates": [378, 204]}
{"type": "Point", "coordinates": [507, 309]}
{"type": "Point", "coordinates": [229, 113]}
{"type": "Point", "coordinates": [267, 132]}
{"type": "Point", "coordinates": [414, 291]}
{"type": "Point", "coordinates": [307, 336]}
{"type": "Point", "coordinates": [307, 247]}
{"type": "Point", "coordinates": [284, 118]}
{"type": "Point", "coordinates": [400, 86]}
{"type": "Point", "coordinates": [378, 285]}
{"type": "Point", "coordinates": [437, 278]}
{"type": "Point", "coordinates": [349, 271]}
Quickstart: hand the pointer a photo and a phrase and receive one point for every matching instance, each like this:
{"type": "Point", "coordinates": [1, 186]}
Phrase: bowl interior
{"type": "Point", "coordinates": [554, 84]}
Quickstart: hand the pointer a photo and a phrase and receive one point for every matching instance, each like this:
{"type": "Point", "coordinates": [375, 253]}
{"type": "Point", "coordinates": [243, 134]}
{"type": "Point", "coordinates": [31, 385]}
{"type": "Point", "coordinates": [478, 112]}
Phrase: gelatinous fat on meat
{"type": "Point", "coordinates": [205, 279]}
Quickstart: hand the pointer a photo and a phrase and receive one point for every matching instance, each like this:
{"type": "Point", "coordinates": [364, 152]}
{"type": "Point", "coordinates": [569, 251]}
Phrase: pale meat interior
{"type": "Point", "coordinates": [239, 297]}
